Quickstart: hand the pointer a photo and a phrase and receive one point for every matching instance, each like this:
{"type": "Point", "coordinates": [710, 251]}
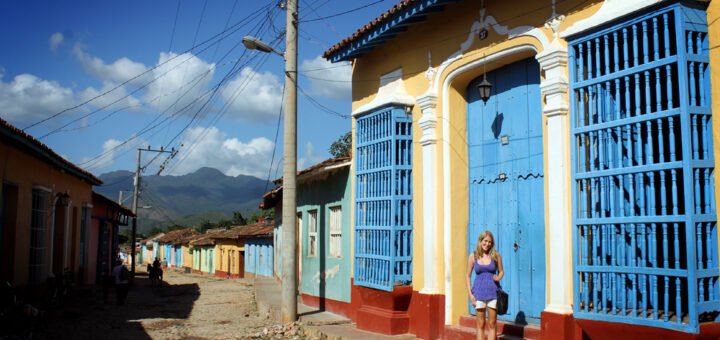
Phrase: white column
{"type": "Point", "coordinates": [555, 89]}
{"type": "Point", "coordinates": [428, 141]}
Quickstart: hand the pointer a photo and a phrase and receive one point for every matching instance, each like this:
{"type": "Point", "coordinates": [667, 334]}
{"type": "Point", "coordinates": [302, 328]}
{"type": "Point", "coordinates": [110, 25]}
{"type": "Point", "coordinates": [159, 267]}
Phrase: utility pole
{"type": "Point", "coordinates": [289, 230]}
{"type": "Point", "coordinates": [136, 190]}
{"type": "Point", "coordinates": [289, 205]}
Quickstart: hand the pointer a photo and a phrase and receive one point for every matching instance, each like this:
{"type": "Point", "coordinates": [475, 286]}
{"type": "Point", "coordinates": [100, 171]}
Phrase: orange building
{"type": "Point", "coordinates": [45, 210]}
{"type": "Point", "coordinates": [102, 238]}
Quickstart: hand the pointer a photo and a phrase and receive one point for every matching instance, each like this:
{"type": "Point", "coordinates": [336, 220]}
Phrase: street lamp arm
{"type": "Point", "coordinates": [253, 43]}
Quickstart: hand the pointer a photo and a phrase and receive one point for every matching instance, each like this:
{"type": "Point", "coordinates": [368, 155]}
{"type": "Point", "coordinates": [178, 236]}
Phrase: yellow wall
{"type": "Point", "coordinates": [27, 172]}
{"type": "Point", "coordinates": [187, 257]}
{"type": "Point", "coordinates": [409, 51]}
{"type": "Point", "coordinates": [221, 255]}
{"type": "Point", "coordinates": [713, 14]}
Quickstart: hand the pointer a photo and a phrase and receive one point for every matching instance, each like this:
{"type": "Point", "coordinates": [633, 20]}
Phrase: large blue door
{"type": "Point", "coordinates": [505, 159]}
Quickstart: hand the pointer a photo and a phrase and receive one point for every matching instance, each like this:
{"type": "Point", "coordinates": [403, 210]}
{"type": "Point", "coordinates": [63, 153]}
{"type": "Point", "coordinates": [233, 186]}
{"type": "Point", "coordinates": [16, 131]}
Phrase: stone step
{"type": "Point", "coordinates": [526, 331]}
{"type": "Point", "coordinates": [470, 333]}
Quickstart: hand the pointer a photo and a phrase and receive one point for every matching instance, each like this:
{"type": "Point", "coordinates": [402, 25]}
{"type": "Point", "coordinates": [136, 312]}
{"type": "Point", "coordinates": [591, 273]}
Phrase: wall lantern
{"type": "Point", "coordinates": [484, 88]}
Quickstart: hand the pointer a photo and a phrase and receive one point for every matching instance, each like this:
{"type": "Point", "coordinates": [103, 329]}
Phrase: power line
{"type": "Point", "coordinates": [222, 111]}
{"type": "Point", "coordinates": [321, 106]}
{"type": "Point", "coordinates": [343, 13]}
{"type": "Point", "coordinates": [172, 36]}
{"type": "Point", "coordinates": [202, 14]}
{"type": "Point", "coordinates": [147, 71]}
{"type": "Point", "coordinates": [277, 133]}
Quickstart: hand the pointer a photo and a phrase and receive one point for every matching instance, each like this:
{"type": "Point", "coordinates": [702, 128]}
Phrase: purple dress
{"type": "Point", "coordinates": [484, 287]}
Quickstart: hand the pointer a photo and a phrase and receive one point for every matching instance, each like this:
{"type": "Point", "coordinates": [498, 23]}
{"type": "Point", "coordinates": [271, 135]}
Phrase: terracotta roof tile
{"type": "Point", "coordinates": [259, 229]}
{"type": "Point", "coordinates": [362, 30]}
{"type": "Point", "coordinates": [176, 235]}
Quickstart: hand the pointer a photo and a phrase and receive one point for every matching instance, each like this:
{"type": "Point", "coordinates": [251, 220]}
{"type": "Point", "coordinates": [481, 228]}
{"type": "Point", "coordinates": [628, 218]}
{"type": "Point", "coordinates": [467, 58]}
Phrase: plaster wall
{"type": "Point", "coordinates": [25, 173]}
{"type": "Point", "coordinates": [223, 249]}
{"type": "Point", "coordinates": [323, 275]}
{"type": "Point", "coordinates": [453, 53]}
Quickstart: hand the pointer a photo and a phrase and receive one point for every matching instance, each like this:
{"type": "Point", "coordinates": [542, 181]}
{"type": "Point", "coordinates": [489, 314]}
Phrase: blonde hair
{"type": "Point", "coordinates": [478, 247]}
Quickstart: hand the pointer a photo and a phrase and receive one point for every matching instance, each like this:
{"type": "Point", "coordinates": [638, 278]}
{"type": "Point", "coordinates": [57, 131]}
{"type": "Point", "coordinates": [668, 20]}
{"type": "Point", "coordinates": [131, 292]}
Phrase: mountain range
{"type": "Point", "coordinates": [206, 194]}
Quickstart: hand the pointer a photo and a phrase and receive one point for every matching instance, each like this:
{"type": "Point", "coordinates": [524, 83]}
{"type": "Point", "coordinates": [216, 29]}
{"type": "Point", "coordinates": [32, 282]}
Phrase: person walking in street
{"type": "Point", "coordinates": [486, 262]}
{"type": "Point", "coordinates": [121, 275]}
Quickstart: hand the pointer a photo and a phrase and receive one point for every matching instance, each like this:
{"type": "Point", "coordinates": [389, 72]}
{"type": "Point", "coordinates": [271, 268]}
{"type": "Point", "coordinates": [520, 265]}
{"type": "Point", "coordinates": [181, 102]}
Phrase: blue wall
{"type": "Point", "coordinates": [259, 256]}
{"type": "Point", "coordinates": [324, 275]}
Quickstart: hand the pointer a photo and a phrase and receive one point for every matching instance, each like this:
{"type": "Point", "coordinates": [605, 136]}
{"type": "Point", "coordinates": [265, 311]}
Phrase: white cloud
{"type": "Point", "coordinates": [229, 155]}
{"type": "Point", "coordinates": [327, 79]}
{"type": "Point", "coordinates": [113, 100]}
{"type": "Point", "coordinates": [310, 158]}
{"type": "Point", "coordinates": [120, 71]}
{"type": "Point", "coordinates": [55, 40]}
{"type": "Point", "coordinates": [171, 87]}
{"type": "Point", "coordinates": [111, 150]}
{"type": "Point", "coordinates": [27, 98]}
{"type": "Point", "coordinates": [253, 96]}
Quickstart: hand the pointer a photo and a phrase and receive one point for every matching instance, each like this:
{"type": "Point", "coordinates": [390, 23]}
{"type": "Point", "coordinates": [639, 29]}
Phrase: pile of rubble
{"type": "Point", "coordinates": [292, 330]}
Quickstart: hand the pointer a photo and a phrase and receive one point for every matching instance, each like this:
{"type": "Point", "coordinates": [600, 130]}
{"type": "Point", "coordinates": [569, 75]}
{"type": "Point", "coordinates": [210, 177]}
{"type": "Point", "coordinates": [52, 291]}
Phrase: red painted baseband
{"type": "Point", "coordinates": [427, 315]}
{"type": "Point", "coordinates": [556, 326]}
{"type": "Point", "coordinates": [220, 273]}
{"type": "Point", "coordinates": [333, 306]}
{"type": "Point", "coordinates": [590, 329]}
{"type": "Point", "coordinates": [381, 311]}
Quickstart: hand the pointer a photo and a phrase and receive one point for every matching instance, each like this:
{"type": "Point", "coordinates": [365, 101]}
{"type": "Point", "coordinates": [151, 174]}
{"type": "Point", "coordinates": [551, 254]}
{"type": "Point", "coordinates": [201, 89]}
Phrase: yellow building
{"type": "Point", "coordinates": [578, 132]}
{"type": "Point", "coordinates": [230, 250]}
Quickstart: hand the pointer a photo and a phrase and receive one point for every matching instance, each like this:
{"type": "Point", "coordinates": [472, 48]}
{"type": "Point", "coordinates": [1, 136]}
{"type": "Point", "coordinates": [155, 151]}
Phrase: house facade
{"type": "Point", "coordinates": [45, 211]}
{"type": "Point", "coordinates": [324, 207]}
{"type": "Point", "coordinates": [171, 245]}
{"type": "Point", "coordinates": [259, 259]}
{"type": "Point", "coordinates": [102, 237]}
{"type": "Point", "coordinates": [578, 132]}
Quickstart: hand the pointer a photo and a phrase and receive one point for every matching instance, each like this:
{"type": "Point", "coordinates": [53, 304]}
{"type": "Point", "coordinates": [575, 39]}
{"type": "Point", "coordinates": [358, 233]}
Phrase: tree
{"type": "Point", "coordinates": [238, 218]}
{"type": "Point", "coordinates": [342, 147]}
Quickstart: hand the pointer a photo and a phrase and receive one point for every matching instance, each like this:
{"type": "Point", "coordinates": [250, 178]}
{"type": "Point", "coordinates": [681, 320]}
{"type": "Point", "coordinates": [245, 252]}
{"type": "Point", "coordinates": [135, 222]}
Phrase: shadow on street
{"type": "Point", "coordinates": [90, 312]}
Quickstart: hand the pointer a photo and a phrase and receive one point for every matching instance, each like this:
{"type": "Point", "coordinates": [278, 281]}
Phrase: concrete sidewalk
{"type": "Point", "coordinates": [317, 323]}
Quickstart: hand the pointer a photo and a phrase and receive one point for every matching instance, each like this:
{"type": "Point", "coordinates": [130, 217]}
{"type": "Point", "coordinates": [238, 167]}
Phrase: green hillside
{"type": "Point", "coordinates": [205, 195]}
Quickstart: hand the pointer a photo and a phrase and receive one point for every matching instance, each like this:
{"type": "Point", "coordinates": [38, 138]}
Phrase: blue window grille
{"type": "Point", "coordinates": [383, 199]}
{"type": "Point", "coordinates": [645, 231]}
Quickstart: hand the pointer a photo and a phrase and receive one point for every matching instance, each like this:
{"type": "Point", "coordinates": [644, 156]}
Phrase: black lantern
{"type": "Point", "coordinates": [484, 89]}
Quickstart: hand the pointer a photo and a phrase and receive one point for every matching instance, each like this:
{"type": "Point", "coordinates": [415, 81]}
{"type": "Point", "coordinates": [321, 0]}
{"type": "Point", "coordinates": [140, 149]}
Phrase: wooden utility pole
{"type": "Point", "coordinates": [136, 190]}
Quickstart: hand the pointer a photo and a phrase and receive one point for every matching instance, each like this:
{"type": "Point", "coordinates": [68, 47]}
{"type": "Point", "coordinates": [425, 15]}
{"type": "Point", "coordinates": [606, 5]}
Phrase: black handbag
{"type": "Point", "coordinates": [501, 306]}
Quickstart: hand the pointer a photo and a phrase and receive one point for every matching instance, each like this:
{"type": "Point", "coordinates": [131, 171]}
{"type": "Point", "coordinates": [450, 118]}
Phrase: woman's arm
{"type": "Point", "coordinates": [497, 277]}
{"type": "Point", "coordinates": [471, 262]}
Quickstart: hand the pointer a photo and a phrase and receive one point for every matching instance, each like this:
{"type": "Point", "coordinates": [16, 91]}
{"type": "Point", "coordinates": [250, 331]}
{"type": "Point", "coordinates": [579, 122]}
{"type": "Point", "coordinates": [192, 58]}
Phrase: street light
{"type": "Point", "coordinates": [253, 43]}
{"type": "Point", "coordinates": [289, 206]}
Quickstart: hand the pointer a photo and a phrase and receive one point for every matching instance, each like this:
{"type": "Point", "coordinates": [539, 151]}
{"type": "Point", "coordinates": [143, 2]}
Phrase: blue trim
{"type": "Point", "coordinates": [412, 14]}
{"type": "Point", "coordinates": [643, 211]}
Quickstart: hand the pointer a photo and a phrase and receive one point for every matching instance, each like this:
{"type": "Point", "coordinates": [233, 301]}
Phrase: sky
{"type": "Point", "coordinates": [96, 80]}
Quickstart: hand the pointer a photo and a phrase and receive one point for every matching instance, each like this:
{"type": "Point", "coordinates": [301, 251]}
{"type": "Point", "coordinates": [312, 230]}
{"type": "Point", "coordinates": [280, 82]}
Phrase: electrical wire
{"type": "Point", "coordinates": [251, 15]}
{"type": "Point", "coordinates": [277, 133]}
{"type": "Point", "coordinates": [172, 36]}
{"type": "Point", "coordinates": [343, 13]}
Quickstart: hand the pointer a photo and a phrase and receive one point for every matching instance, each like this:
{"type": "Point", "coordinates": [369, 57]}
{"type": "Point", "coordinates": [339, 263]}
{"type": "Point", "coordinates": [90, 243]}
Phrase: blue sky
{"type": "Point", "coordinates": [95, 80]}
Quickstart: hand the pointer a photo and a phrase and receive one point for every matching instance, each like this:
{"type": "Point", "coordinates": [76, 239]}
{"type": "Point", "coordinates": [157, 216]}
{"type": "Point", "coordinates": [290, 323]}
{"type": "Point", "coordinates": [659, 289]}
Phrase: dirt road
{"type": "Point", "coordinates": [188, 306]}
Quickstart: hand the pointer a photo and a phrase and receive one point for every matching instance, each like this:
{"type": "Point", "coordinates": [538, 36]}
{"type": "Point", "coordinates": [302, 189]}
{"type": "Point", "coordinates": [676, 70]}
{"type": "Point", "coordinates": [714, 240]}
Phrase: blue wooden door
{"type": "Point", "coordinates": [505, 159]}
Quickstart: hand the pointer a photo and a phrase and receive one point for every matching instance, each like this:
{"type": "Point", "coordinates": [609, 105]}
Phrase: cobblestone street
{"type": "Point", "coordinates": [188, 306]}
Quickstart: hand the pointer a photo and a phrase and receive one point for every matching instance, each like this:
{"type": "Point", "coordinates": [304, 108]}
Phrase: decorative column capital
{"type": "Point", "coordinates": [428, 121]}
{"type": "Point", "coordinates": [555, 86]}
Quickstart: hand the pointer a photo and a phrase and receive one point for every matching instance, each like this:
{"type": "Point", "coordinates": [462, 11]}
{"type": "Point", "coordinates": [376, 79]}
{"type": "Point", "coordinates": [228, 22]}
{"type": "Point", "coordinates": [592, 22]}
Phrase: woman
{"type": "Point", "coordinates": [486, 262]}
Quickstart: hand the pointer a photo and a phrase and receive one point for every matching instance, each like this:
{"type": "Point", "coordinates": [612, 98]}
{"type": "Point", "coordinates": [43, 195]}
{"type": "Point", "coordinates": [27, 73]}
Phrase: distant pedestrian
{"type": "Point", "coordinates": [156, 273]}
{"type": "Point", "coordinates": [121, 274]}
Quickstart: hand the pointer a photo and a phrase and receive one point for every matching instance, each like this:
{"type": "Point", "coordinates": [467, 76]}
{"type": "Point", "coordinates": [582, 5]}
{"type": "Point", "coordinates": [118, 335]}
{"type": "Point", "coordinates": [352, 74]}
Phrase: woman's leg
{"type": "Point", "coordinates": [480, 323]}
{"type": "Point", "coordinates": [492, 323]}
